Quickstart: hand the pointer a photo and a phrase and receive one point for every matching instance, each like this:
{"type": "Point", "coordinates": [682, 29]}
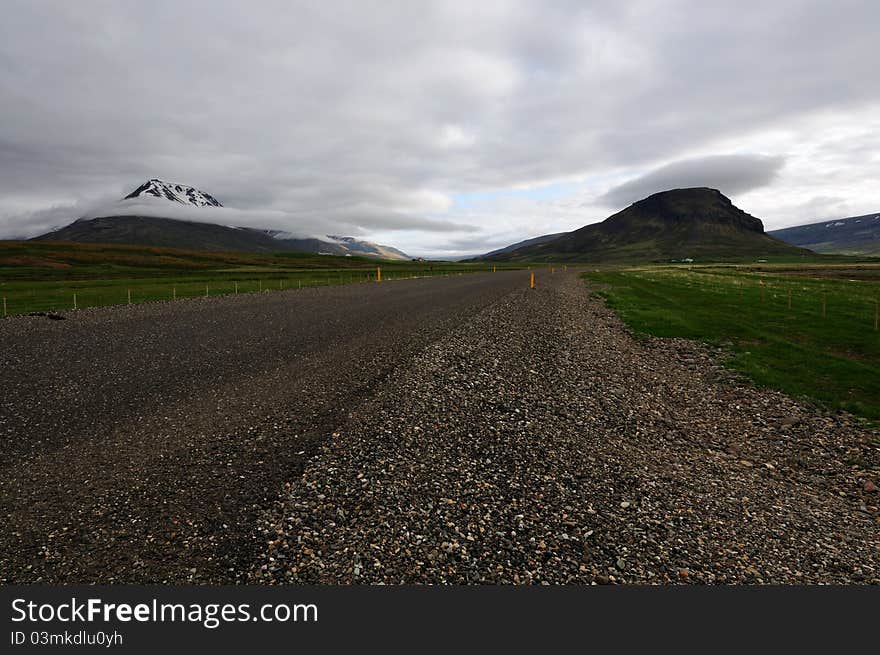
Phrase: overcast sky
{"type": "Point", "coordinates": [441, 128]}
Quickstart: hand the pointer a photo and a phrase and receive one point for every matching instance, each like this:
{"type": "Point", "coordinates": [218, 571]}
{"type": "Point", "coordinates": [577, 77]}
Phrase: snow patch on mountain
{"type": "Point", "coordinates": [185, 195]}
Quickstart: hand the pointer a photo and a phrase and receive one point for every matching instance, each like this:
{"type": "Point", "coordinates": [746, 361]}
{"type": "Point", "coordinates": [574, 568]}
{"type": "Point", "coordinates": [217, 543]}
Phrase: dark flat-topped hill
{"type": "Point", "coordinates": [682, 223]}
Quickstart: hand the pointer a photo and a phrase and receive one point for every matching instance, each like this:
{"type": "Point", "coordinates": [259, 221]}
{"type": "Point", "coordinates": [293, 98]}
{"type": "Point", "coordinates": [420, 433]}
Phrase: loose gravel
{"type": "Point", "coordinates": [140, 444]}
{"type": "Point", "coordinates": [540, 443]}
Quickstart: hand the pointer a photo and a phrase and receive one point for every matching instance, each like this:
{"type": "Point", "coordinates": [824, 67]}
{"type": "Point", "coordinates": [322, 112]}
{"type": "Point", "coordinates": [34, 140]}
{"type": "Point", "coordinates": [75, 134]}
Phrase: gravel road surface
{"type": "Point", "coordinates": [140, 444]}
{"type": "Point", "coordinates": [455, 430]}
{"type": "Point", "coordinates": [541, 443]}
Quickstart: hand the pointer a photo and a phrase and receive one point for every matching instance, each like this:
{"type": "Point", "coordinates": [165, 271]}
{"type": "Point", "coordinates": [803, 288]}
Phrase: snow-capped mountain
{"type": "Point", "coordinates": [167, 214]}
{"type": "Point", "coordinates": [185, 195]}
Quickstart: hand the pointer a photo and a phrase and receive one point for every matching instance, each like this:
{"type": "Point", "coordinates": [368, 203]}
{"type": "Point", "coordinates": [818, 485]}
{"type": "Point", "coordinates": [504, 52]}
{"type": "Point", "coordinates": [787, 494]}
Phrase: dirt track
{"type": "Point", "coordinates": [449, 430]}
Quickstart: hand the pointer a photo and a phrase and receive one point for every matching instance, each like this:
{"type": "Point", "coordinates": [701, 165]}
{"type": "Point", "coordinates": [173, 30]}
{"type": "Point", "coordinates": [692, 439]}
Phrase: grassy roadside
{"type": "Point", "coordinates": [834, 359]}
{"type": "Point", "coordinates": [44, 276]}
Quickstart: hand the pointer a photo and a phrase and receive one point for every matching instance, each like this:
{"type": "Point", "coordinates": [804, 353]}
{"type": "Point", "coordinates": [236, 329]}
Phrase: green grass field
{"type": "Point", "coordinates": [44, 276]}
{"type": "Point", "coordinates": [832, 359]}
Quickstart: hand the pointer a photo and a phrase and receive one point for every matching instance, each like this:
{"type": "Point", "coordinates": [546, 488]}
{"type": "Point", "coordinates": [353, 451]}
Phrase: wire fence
{"type": "Point", "coordinates": [46, 297]}
{"type": "Point", "coordinates": [787, 299]}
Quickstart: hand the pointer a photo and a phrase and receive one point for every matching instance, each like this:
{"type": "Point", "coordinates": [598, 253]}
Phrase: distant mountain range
{"type": "Point", "coordinates": [167, 226]}
{"type": "Point", "coordinates": [858, 235]}
{"type": "Point", "coordinates": [696, 223]}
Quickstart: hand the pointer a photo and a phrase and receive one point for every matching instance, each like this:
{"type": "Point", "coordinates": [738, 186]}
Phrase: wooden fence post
{"type": "Point", "coordinates": [173, 293]}
{"type": "Point", "coordinates": [206, 291]}
{"type": "Point", "coordinates": [74, 300]}
{"type": "Point", "coordinates": [129, 296]}
{"type": "Point", "coordinates": [236, 286]}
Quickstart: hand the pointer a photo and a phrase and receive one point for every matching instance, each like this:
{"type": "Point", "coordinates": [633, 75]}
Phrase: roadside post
{"type": "Point", "coordinates": [532, 280]}
{"type": "Point", "coordinates": [378, 274]}
{"type": "Point", "coordinates": [129, 296]}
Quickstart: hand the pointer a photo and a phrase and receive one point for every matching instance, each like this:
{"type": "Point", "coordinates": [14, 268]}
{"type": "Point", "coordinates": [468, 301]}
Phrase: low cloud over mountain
{"type": "Point", "coordinates": [732, 174]}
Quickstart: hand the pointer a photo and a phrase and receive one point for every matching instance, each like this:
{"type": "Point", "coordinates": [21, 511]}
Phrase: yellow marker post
{"type": "Point", "coordinates": [493, 269]}
{"type": "Point", "coordinates": [532, 280]}
{"type": "Point", "coordinates": [378, 274]}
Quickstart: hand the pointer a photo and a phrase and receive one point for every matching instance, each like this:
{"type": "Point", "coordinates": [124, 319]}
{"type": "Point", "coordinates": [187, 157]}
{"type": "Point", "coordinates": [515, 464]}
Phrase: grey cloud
{"type": "Point", "coordinates": [337, 112]}
{"type": "Point", "coordinates": [731, 174]}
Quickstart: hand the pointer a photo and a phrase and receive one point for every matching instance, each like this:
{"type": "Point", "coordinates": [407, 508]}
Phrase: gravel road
{"type": "Point", "coordinates": [539, 442]}
{"type": "Point", "coordinates": [455, 430]}
{"type": "Point", "coordinates": [140, 444]}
